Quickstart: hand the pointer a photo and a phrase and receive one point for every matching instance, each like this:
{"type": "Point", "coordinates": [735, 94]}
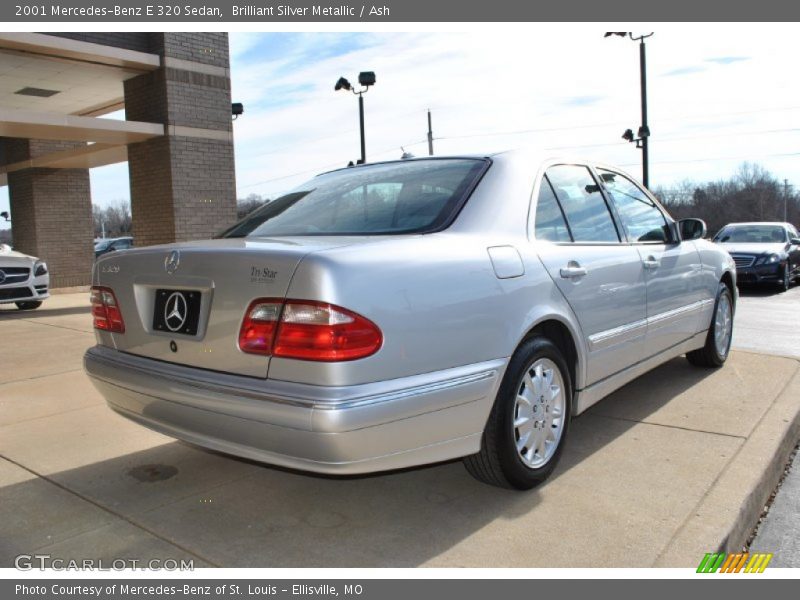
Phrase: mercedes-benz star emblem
{"type": "Point", "coordinates": [172, 261]}
{"type": "Point", "coordinates": [2, 276]}
{"type": "Point", "coordinates": [175, 311]}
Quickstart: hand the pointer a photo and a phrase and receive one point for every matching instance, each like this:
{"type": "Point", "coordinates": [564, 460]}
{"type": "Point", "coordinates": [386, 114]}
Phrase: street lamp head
{"type": "Point", "coordinates": [342, 84]}
{"type": "Point", "coordinates": [644, 131]}
{"type": "Point", "coordinates": [628, 135]}
{"type": "Point", "coordinates": [366, 78]}
{"type": "Point", "coordinates": [619, 33]}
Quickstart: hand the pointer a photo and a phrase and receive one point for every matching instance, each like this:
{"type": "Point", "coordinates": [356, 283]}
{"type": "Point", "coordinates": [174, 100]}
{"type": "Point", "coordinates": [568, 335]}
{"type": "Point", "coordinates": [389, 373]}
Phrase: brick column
{"type": "Point", "coordinates": [183, 184]}
{"type": "Point", "coordinates": [51, 212]}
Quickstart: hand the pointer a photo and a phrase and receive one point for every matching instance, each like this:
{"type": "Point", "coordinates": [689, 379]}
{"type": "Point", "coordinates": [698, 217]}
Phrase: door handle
{"type": "Point", "coordinates": [573, 270]}
{"type": "Point", "coordinates": [651, 263]}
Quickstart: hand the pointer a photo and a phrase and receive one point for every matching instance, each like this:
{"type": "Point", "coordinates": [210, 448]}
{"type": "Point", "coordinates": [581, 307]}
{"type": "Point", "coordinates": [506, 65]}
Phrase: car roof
{"type": "Point", "coordinates": [737, 224]}
{"type": "Point", "coordinates": [533, 156]}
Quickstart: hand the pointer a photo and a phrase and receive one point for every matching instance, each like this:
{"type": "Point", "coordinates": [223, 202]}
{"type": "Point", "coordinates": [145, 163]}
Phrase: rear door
{"type": "Point", "coordinates": [600, 275]}
{"type": "Point", "coordinates": [676, 296]}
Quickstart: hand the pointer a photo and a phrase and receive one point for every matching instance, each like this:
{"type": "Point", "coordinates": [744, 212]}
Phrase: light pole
{"type": "Point", "coordinates": [365, 79]}
{"type": "Point", "coordinates": [785, 200]}
{"type": "Point", "coordinates": [644, 131]}
{"type": "Point", "coordinates": [430, 134]}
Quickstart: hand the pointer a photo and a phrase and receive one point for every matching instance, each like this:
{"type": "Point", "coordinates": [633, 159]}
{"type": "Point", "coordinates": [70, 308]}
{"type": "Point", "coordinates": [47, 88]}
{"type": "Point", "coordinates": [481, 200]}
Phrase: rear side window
{"type": "Point", "coordinates": [584, 206]}
{"type": "Point", "coordinates": [642, 219]}
{"type": "Point", "coordinates": [393, 198]}
{"type": "Point", "coordinates": [550, 223]}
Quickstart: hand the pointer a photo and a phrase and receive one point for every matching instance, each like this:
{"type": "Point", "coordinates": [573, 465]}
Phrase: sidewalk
{"type": "Point", "coordinates": [666, 469]}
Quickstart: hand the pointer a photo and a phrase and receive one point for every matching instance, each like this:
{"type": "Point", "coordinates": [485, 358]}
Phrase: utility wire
{"type": "Point", "coordinates": [328, 166]}
{"type": "Point", "coordinates": [716, 159]}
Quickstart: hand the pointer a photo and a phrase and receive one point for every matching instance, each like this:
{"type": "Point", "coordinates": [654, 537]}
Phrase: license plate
{"type": "Point", "coordinates": [177, 311]}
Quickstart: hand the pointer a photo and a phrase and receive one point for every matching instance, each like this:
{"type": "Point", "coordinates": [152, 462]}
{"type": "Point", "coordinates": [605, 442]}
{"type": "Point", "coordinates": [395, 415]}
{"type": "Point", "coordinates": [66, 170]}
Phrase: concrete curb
{"type": "Point", "coordinates": [726, 514]}
{"type": "Point", "coordinates": [70, 290]}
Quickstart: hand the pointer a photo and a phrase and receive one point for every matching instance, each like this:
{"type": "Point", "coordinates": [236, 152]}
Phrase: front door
{"type": "Point", "coordinates": [673, 269]}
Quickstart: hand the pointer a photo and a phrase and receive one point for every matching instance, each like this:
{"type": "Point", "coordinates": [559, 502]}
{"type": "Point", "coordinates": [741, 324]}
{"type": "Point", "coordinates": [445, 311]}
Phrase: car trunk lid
{"type": "Point", "coordinates": [217, 280]}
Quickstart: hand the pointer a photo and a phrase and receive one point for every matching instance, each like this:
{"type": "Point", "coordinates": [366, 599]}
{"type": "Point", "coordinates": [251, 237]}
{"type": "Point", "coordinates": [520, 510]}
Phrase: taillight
{"type": "Point", "coordinates": [258, 328]}
{"type": "Point", "coordinates": [307, 330]}
{"type": "Point", "coordinates": [105, 310]}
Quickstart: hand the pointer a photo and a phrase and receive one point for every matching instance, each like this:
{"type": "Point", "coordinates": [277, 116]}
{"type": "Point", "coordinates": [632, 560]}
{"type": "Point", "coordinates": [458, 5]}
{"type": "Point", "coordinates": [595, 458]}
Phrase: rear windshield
{"type": "Point", "coordinates": [751, 234]}
{"type": "Point", "coordinates": [392, 198]}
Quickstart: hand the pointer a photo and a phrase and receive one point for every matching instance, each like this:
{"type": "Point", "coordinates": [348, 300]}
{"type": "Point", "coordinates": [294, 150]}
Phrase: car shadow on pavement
{"type": "Point", "coordinates": [760, 291]}
{"type": "Point", "coordinates": [11, 312]}
{"type": "Point", "coordinates": [236, 513]}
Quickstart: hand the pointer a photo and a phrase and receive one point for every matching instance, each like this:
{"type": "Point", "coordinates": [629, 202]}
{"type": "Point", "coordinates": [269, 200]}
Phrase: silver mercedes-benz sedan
{"type": "Point", "coordinates": [403, 313]}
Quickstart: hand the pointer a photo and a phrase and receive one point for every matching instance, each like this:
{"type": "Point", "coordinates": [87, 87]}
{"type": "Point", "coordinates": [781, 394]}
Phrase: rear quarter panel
{"type": "Point", "coordinates": [436, 299]}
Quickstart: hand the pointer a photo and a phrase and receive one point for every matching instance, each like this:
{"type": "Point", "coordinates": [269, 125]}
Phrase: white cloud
{"type": "Point", "coordinates": [730, 102]}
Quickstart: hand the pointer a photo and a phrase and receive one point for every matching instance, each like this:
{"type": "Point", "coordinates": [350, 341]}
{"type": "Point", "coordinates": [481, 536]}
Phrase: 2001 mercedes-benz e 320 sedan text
{"type": "Point", "coordinates": [410, 312]}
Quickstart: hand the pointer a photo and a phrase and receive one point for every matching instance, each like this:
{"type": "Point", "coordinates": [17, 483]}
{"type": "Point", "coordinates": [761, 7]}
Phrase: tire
{"type": "Point", "coordinates": [786, 280]}
{"type": "Point", "coordinates": [501, 462]}
{"type": "Point", "coordinates": [716, 349]}
{"type": "Point", "coordinates": [31, 305]}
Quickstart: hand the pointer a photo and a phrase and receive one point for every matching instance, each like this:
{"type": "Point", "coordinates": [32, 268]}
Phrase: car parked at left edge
{"type": "Point", "coordinates": [24, 280]}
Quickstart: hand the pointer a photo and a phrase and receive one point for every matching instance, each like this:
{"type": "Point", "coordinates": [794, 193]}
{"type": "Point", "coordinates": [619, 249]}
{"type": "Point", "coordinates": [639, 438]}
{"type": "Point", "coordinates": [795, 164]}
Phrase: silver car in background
{"type": "Point", "coordinates": [404, 313]}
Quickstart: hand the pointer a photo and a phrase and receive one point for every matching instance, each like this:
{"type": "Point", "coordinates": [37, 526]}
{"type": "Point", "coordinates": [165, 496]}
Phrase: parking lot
{"type": "Point", "coordinates": [675, 464]}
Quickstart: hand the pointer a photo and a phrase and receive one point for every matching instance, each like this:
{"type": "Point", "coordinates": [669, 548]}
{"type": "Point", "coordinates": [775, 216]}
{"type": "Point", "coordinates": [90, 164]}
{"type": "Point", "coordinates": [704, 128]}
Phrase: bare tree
{"type": "Point", "coordinates": [244, 206]}
{"type": "Point", "coordinates": [752, 194]}
{"type": "Point", "coordinates": [115, 218]}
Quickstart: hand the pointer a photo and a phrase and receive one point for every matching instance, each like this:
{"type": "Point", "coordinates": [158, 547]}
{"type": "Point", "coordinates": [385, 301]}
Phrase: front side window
{"type": "Point", "coordinates": [642, 219]}
{"type": "Point", "coordinates": [392, 198]}
{"type": "Point", "coordinates": [550, 223]}
{"type": "Point", "coordinates": [584, 206]}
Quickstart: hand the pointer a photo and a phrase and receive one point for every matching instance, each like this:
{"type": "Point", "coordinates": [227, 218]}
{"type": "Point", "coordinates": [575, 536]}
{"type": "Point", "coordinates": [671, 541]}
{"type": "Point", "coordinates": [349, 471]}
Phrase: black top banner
{"type": "Point", "coordinates": [287, 11]}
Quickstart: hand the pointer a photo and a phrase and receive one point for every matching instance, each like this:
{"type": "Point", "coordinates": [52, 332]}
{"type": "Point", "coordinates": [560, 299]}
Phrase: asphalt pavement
{"type": "Point", "coordinates": [767, 321]}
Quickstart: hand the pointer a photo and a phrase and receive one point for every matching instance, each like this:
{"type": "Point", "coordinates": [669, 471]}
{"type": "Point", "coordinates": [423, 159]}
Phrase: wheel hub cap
{"type": "Point", "coordinates": [723, 325]}
{"type": "Point", "coordinates": [539, 413]}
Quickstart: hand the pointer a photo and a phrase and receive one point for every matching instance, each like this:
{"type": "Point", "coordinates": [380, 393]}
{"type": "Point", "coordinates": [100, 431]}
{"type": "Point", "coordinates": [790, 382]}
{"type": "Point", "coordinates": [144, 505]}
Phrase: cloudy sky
{"type": "Point", "coordinates": [718, 95]}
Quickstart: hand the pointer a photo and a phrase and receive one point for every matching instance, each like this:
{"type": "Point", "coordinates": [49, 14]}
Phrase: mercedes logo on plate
{"type": "Point", "coordinates": [175, 311]}
{"type": "Point", "coordinates": [2, 276]}
{"type": "Point", "coordinates": [172, 261]}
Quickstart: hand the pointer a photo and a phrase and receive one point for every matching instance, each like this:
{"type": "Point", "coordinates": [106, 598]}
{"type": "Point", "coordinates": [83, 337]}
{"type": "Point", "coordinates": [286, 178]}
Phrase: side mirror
{"type": "Point", "coordinates": [692, 229]}
{"type": "Point", "coordinates": [794, 241]}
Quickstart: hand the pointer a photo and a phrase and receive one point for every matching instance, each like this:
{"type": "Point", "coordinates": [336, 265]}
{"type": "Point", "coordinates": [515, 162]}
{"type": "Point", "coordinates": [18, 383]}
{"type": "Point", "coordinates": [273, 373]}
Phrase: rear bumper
{"type": "Point", "coordinates": [336, 430]}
